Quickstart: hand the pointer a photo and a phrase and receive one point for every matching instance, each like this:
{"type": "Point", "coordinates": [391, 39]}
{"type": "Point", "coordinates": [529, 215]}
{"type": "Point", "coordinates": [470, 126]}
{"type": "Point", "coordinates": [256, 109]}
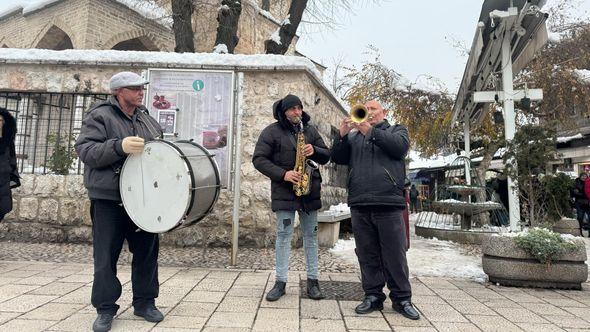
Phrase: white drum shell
{"type": "Point", "coordinates": [169, 185]}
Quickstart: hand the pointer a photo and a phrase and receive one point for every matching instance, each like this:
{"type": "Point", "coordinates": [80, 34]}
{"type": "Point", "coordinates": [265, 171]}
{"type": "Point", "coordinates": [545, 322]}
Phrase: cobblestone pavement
{"type": "Point", "coordinates": [248, 258]}
{"type": "Point", "coordinates": [44, 296]}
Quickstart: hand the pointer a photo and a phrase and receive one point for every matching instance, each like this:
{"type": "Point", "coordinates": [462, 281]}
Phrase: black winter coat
{"type": "Point", "coordinates": [578, 192]}
{"type": "Point", "coordinates": [9, 178]}
{"type": "Point", "coordinates": [275, 154]}
{"type": "Point", "coordinates": [99, 145]}
{"type": "Point", "coordinates": [376, 166]}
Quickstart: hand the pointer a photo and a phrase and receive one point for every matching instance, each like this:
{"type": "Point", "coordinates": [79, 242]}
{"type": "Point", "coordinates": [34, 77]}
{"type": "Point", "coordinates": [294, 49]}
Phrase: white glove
{"type": "Point", "coordinates": [132, 144]}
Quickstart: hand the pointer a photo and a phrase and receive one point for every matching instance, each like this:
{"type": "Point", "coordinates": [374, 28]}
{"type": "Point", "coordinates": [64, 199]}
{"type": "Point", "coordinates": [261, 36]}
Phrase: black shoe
{"type": "Point", "coordinates": [370, 303]}
{"type": "Point", "coordinates": [102, 323]}
{"type": "Point", "coordinates": [313, 290]}
{"type": "Point", "coordinates": [406, 309]}
{"type": "Point", "coordinates": [149, 313]}
{"type": "Point", "coordinates": [277, 291]}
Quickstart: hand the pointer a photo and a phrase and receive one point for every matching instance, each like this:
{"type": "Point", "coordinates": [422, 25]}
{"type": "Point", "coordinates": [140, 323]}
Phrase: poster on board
{"type": "Point", "coordinates": [167, 121]}
{"type": "Point", "coordinates": [194, 104]}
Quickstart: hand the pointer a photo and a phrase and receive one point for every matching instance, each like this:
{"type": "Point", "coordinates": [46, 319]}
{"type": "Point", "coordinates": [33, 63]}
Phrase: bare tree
{"type": "Point", "coordinates": [280, 40]}
{"type": "Point", "coordinates": [228, 17]}
{"type": "Point", "coordinates": [182, 12]}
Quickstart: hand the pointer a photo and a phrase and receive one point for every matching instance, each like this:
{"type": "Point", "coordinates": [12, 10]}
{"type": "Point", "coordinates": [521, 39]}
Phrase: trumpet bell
{"type": "Point", "coordinates": [359, 113]}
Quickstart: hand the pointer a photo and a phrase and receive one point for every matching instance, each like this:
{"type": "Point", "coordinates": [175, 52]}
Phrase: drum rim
{"type": "Point", "coordinates": [217, 177]}
{"type": "Point", "coordinates": [192, 184]}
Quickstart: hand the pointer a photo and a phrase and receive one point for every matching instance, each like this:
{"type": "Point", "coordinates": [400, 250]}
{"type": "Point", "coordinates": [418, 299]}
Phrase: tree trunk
{"type": "Point", "coordinates": [182, 12]}
{"type": "Point", "coordinates": [280, 40]}
{"type": "Point", "coordinates": [489, 152]}
{"type": "Point", "coordinates": [228, 17]}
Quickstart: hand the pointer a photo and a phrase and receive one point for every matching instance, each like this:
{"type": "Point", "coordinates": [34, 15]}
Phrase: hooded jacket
{"type": "Point", "coordinates": [377, 170]}
{"type": "Point", "coordinates": [275, 154]}
{"type": "Point", "coordinates": [578, 192]}
{"type": "Point", "coordinates": [99, 145]}
{"type": "Point", "coordinates": [9, 177]}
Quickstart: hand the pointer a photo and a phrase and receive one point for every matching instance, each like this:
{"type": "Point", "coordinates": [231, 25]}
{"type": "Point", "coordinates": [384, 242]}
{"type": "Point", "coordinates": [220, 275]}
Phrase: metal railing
{"type": "Point", "coordinates": [47, 127]}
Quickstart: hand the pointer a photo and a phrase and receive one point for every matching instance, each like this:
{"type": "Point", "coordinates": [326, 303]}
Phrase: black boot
{"type": "Point", "coordinates": [277, 291]}
{"type": "Point", "coordinates": [313, 290]}
{"type": "Point", "coordinates": [102, 323]}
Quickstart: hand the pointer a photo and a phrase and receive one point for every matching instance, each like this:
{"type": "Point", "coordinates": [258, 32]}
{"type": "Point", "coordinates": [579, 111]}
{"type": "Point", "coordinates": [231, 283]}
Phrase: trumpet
{"type": "Point", "coordinates": [359, 113]}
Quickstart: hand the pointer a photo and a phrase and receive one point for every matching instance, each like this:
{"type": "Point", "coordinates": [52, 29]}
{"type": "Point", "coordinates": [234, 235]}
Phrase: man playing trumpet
{"type": "Point", "coordinates": [375, 153]}
{"type": "Point", "coordinates": [278, 150]}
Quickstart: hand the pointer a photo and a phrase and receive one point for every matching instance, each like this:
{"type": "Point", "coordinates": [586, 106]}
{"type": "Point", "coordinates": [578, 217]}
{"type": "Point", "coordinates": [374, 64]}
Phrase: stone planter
{"type": "Point", "coordinates": [567, 226]}
{"type": "Point", "coordinates": [507, 264]}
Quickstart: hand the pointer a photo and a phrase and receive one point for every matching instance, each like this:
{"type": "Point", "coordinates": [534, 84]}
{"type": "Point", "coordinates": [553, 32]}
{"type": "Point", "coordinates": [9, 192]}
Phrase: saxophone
{"type": "Point", "coordinates": [303, 166]}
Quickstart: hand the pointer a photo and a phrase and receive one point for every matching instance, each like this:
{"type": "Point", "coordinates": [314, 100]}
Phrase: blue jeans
{"type": "Point", "coordinates": [309, 226]}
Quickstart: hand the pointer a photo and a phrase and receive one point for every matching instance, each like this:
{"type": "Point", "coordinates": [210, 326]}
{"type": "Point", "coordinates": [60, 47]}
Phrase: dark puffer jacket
{"type": "Point", "coordinates": [275, 154]}
{"type": "Point", "coordinates": [578, 192]}
{"type": "Point", "coordinates": [100, 145]}
{"type": "Point", "coordinates": [9, 178]}
{"type": "Point", "coordinates": [377, 170]}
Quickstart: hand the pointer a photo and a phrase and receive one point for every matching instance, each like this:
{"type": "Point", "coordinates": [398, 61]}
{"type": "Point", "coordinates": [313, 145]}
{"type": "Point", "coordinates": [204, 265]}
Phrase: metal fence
{"type": "Point", "coordinates": [47, 127]}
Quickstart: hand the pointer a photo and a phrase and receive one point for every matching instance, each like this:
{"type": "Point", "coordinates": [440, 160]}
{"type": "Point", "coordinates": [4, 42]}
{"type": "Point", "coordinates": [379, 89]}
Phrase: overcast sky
{"type": "Point", "coordinates": [413, 37]}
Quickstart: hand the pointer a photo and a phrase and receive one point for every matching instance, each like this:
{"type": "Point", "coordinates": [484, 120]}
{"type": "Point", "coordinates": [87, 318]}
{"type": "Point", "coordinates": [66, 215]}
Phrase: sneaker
{"type": "Point", "coordinates": [149, 313]}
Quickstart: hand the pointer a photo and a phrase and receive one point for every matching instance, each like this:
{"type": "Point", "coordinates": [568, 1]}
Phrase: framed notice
{"type": "Point", "coordinates": [195, 105]}
{"type": "Point", "coordinates": [167, 121]}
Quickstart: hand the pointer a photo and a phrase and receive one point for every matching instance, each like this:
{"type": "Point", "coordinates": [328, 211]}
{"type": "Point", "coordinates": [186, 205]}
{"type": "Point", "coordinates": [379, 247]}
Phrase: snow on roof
{"type": "Point", "coordinates": [10, 10]}
{"type": "Point", "coordinates": [171, 59]}
{"type": "Point", "coordinates": [565, 139]}
{"type": "Point", "coordinates": [147, 9]}
{"type": "Point", "coordinates": [583, 74]}
{"type": "Point", "coordinates": [418, 162]}
{"type": "Point", "coordinates": [26, 6]}
{"type": "Point", "coordinates": [167, 60]}
{"type": "Point", "coordinates": [263, 12]}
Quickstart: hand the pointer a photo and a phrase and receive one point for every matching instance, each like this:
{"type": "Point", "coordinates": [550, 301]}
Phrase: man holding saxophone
{"type": "Point", "coordinates": [287, 152]}
{"type": "Point", "coordinates": [374, 151]}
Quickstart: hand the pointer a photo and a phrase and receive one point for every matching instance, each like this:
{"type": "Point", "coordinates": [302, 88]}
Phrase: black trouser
{"type": "Point", "coordinates": [110, 227]}
{"type": "Point", "coordinates": [414, 205]}
{"type": "Point", "coordinates": [380, 236]}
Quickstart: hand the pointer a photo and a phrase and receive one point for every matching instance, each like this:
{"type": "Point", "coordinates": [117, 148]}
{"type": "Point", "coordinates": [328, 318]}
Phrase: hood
{"type": "Point", "coordinates": [279, 115]}
{"type": "Point", "coordinates": [9, 130]}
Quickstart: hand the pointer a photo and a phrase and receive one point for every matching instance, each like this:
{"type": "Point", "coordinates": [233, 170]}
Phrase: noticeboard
{"type": "Point", "coordinates": [194, 105]}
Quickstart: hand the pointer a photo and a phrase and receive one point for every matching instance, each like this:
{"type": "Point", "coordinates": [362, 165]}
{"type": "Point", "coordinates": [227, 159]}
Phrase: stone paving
{"type": "Point", "coordinates": [248, 258]}
{"type": "Point", "coordinates": [45, 296]}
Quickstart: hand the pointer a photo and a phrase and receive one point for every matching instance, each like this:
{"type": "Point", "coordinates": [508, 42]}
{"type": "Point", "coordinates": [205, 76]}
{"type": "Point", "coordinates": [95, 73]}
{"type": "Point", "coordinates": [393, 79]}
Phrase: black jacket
{"type": "Point", "coordinates": [377, 170]}
{"type": "Point", "coordinates": [275, 154]}
{"type": "Point", "coordinates": [99, 145]}
{"type": "Point", "coordinates": [414, 193]}
{"type": "Point", "coordinates": [578, 192]}
{"type": "Point", "coordinates": [8, 171]}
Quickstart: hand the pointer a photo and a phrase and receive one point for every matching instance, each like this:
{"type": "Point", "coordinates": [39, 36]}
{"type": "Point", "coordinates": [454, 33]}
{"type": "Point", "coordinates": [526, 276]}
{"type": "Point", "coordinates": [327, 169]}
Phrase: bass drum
{"type": "Point", "coordinates": [169, 185]}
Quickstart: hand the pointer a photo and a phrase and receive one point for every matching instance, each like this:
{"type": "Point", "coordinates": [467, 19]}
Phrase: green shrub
{"type": "Point", "coordinates": [557, 195]}
{"type": "Point", "coordinates": [544, 245]}
{"type": "Point", "coordinates": [63, 154]}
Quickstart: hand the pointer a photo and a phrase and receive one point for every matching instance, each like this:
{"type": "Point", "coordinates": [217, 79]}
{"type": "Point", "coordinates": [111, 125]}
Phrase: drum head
{"type": "Point", "coordinates": [155, 187]}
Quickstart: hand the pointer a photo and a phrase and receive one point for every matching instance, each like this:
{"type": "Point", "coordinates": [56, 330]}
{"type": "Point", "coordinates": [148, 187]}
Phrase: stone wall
{"type": "Point", "coordinates": [55, 208]}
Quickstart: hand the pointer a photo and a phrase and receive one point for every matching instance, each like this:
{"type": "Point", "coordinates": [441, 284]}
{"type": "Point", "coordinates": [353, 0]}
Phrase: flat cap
{"type": "Point", "coordinates": [125, 79]}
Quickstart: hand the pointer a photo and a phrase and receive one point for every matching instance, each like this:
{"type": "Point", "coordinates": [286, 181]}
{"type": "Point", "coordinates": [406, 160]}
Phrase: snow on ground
{"type": "Point", "coordinates": [428, 257]}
